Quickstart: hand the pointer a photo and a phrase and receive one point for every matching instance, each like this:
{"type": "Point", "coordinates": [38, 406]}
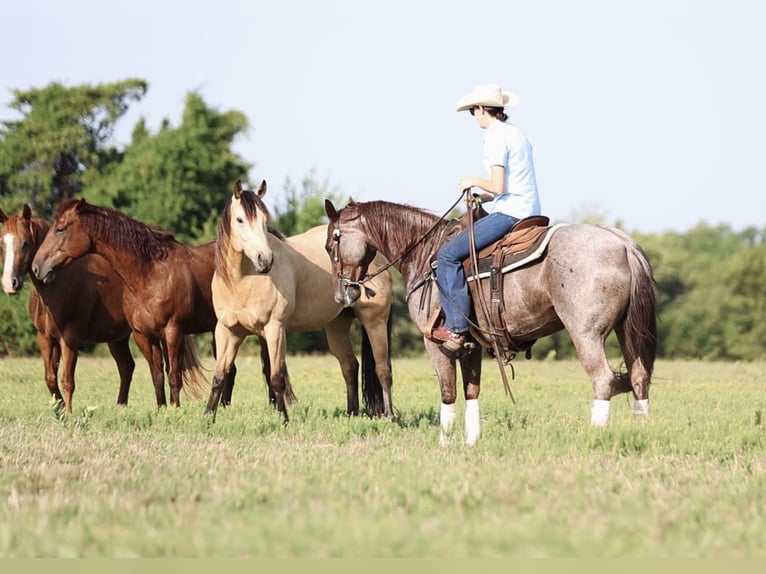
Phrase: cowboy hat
{"type": "Point", "coordinates": [491, 96]}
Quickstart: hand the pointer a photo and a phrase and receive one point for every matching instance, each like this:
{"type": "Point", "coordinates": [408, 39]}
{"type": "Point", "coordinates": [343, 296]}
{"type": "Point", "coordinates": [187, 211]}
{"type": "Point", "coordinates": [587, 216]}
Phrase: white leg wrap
{"type": "Point", "coordinates": [599, 413]}
{"type": "Point", "coordinates": [641, 408]}
{"type": "Point", "coordinates": [447, 416]}
{"type": "Point", "coordinates": [472, 422]}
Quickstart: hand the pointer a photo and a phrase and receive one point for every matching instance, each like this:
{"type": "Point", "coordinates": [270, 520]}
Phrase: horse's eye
{"type": "Point", "coordinates": [240, 220]}
{"type": "Point", "coordinates": [27, 244]}
{"type": "Point", "coordinates": [60, 229]}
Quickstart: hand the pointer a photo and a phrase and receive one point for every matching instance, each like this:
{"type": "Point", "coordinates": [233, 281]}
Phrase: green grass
{"type": "Point", "coordinates": [135, 481]}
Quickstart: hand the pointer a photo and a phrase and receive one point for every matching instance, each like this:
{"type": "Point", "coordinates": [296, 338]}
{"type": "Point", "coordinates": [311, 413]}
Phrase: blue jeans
{"type": "Point", "coordinates": [453, 287]}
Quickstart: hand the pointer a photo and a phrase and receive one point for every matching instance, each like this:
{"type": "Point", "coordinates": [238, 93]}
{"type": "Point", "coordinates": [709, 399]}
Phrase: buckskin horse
{"type": "Point", "coordinates": [268, 285]}
{"type": "Point", "coordinates": [85, 305]}
{"type": "Point", "coordinates": [588, 279]}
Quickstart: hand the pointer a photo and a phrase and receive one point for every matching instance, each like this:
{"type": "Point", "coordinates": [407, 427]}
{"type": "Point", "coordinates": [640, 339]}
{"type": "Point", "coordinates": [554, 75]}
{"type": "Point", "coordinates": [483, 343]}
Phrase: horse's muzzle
{"type": "Point", "coordinates": [44, 272]}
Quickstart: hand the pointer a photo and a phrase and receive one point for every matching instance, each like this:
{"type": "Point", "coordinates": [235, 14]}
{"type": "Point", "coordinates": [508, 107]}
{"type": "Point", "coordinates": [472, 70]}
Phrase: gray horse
{"type": "Point", "coordinates": [590, 280]}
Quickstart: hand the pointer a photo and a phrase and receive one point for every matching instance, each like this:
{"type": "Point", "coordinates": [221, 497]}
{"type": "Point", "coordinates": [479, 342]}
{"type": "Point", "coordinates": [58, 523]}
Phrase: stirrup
{"type": "Point", "coordinates": [456, 347]}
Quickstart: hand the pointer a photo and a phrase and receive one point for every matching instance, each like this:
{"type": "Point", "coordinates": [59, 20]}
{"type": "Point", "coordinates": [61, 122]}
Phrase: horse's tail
{"type": "Point", "coordinates": [290, 397]}
{"type": "Point", "coordinates": [640, 321]}
{"type": "Point", "coordinates": [194, 380]}
{"type": "Point", "coordinates": [372, 390]}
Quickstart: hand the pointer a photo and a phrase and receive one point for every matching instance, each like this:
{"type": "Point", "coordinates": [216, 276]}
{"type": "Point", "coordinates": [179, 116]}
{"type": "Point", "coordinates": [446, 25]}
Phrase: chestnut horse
{"type": "Point", "coordinates": [85, 305]}
{"type": "Point", "coordinates": [167, 284]}
{"type": "Point", "coordinates": [591, 280]}
{"type": "Point", "coordinates": [268, 285]}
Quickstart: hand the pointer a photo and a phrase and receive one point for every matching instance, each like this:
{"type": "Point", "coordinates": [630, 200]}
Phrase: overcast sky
{"type": "Point", "coordinates": [649, 114]}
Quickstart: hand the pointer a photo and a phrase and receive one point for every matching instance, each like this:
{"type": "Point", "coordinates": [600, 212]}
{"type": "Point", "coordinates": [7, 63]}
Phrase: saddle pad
{"type": "Point", "coordinates": [513, 261]}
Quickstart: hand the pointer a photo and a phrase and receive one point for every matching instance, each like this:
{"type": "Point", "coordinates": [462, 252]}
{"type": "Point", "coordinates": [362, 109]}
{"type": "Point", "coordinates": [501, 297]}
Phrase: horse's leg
{"type": "Point", "coordinates": [590, 350]}
{"type": "Point", "coordinates": [266, 369]}
{"type": "Point", "coordinates": [152, 352]}
{"type": "Point", "coordinates": [174, 349]}
{"type": "Point", "coordinates": [339, 342]}
{"type": "Point", "coordinates": [227, 344]}
{"type": "Point", "coordinates": [120, 350]}
{"type": "Point", "coordinates": [279, 382]}
{"type": "Point", "coordinates": [228, 380]}
{"type": "Point", "coordinates": [378, 335]}
{"type": "Point", "coordinates": [470, 369]}
{"type": "Point", "coordinates": [69, 355]}
{"type": "Point", "coordinates": [50, 350]}
{"type": "Point", "coordinates": [447, 375]}
{"type": "Point", "coordinates": [637, 373]}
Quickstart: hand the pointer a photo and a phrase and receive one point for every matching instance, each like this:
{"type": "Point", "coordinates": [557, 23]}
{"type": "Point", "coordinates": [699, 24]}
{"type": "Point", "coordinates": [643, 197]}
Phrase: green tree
{"type": "Point", "coordinates": [298, 210]}
{"type": "Point", "coordinates": [63, 134]}
{"type": "Point", "coordinates": [180, 178]}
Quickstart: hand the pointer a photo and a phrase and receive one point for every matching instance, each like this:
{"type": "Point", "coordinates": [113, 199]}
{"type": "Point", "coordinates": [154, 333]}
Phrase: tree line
{"type": "Point", "coordinates": [709, 280]}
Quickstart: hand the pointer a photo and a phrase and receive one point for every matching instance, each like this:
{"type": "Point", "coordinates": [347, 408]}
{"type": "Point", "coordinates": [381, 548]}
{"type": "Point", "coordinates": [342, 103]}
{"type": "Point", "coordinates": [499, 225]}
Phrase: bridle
{"type": "Point", "coordinates": [346, 281]}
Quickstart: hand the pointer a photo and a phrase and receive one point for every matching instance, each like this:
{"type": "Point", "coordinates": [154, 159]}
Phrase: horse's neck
{"type": "Point", "coordinates": [40, 229]}
{"type": "Point", "coordinates": [412, 259]}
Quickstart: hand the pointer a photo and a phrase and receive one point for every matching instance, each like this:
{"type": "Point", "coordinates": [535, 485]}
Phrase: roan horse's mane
{"type": "Point", "coordinates": [251, 204]}
{"type": "Point", "coordinates": [121, 231]}
{"type": "Point", "coordinates": [391, 219]}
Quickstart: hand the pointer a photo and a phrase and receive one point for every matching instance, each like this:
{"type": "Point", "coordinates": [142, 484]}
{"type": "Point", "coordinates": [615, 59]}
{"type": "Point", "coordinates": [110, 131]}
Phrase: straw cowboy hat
{"type": "Point", "coordinates": [491, 96]}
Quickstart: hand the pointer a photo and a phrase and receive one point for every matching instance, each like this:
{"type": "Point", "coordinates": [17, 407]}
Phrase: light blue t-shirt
{"type": "Point", "coordinates": [506, 145]}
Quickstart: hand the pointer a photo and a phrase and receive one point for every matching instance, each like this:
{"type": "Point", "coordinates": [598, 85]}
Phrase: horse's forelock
{"type": "Point", "coordinates": [252, 204]}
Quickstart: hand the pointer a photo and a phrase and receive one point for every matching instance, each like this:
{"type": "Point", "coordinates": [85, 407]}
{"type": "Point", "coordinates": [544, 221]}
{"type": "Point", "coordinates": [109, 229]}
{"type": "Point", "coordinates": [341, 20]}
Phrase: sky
{"type": "Point", "coordinates": [649, 114]}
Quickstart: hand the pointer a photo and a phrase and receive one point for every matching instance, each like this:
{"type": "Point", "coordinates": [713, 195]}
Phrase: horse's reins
{"type": "Point", "coordinates": [347, 282]}
{"type": "Point", "coordinates": [480, 296]}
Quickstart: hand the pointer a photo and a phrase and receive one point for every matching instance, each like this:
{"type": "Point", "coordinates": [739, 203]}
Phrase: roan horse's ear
{"type": "Point", "coordinates": [261, 191]}
{"type": "Point", "coordinates": [3, 216]}
{"type": "Point", "coordinates": [26, 212]}
{"type": "Point", "coordinates": [330, 210]}
{"type": "Point", "coordinates": [238, 189]}
{"type": "Point", "coordinates": [80, 204]}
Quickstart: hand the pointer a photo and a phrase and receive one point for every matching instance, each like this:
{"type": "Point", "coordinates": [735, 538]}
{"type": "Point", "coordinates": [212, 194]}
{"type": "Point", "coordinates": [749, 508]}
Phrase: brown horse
{"type": "Point", "coordinates": [591, 280]}
{"type": "Point", "coordinates": [267, 285]}
{"type": "Point", "coordinates": [167, 284]}
{"type": "Point", "coordinates": [85, 305]}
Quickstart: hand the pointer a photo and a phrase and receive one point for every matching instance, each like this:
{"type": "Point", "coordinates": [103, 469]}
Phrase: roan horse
{"type": "Point", "coordinates": [85, 305]}
{"type": "Point", "coordinates": [267, 285]}
{"type": "Point", "coordinates": [591, 280]}
{"type": "Point", "coordinates": [167, 284]}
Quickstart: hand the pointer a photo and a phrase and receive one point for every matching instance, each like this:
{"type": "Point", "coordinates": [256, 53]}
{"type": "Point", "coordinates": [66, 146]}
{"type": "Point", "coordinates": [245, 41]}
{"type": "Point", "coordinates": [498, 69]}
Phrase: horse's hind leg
{"type": "Point", "coordinates": [120, 350]}
{"type": "Point", "coordinates": [339, 343]}
{"type": "Point", "coordinates": [638, 376]}
{"type": "Point", "coordinates": [279, 382]}
{"type": "Point", "coordinates": [590, 350]}
{"type": "Point", "coordinates": [377, 348]}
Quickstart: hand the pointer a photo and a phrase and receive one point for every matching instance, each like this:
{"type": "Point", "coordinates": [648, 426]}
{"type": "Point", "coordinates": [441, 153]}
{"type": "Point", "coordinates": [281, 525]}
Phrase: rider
{"type": "Point", "coordinates": [510, 194]}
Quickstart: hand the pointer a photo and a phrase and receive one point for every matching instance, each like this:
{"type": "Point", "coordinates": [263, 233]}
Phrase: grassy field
{"type": "Point", "coordinates": [135, 481]}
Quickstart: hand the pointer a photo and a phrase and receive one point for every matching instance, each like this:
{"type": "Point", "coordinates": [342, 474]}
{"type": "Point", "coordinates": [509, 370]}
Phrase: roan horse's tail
{"type": "Point", "coordinates": [372, 390]}
{"type": "Point", "coordinates": [194, 380]}
{"type": "Point", "coordinates": [640, 321]}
